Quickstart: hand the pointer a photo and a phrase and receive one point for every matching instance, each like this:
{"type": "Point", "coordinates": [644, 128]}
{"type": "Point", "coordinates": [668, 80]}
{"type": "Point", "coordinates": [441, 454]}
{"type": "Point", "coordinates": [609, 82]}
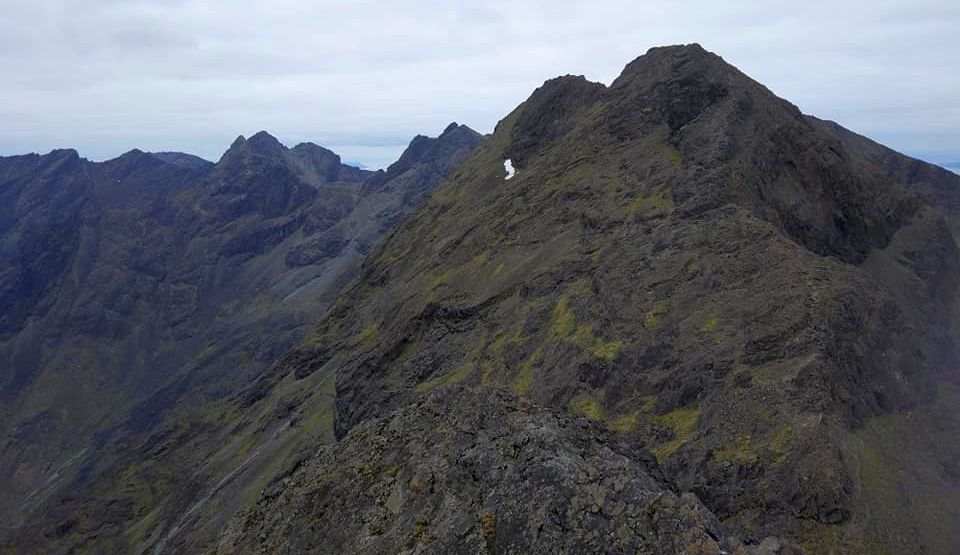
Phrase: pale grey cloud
{"type": "Point", "coordinates": [363, 77]}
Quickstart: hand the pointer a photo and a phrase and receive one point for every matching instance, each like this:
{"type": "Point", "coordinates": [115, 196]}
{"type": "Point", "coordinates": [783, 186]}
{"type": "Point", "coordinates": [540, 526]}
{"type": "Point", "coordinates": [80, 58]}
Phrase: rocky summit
{"type": "Point", "coordinates": [669, 315]}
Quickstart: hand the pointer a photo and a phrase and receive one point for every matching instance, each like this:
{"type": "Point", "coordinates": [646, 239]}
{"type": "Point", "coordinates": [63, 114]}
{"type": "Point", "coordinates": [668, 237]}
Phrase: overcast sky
{"type": "Point", "coordinates": [363, 77]}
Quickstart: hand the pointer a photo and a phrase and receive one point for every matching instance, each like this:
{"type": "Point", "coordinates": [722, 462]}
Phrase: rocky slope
{"type": "Point", "coordinates": [133, 287]}
{"type": "Point", "coordinates": [692, 262]}
{"type": "Point", "coordinates": [694, 320]}
{"type": "Point", "coordinates": [456, 472]}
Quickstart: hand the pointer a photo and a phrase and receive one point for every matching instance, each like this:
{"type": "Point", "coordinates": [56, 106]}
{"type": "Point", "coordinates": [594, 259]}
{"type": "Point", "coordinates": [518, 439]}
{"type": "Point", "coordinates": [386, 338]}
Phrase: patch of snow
{"type": "Point", "coordinates": [508, 165]}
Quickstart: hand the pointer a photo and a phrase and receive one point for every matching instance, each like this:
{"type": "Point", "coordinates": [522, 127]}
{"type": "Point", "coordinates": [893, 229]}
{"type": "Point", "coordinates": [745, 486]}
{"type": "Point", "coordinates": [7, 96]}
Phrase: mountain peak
{"type": "Point", "coordinates": [315, 150]}
{"type": "Point", "coordinates": [429, 154]}
{"type": "Point", "coordinates": [550, 113]}
{"type": "Point", "coordinates": [265, 144]}
{"type": "Point", "coordinates": [684, 79]}
{"type": "Point", "coordinates": [455, 130]}
{"type": "Point", "coordinates": [260, 143]}
{"type": "Point", "coordinates": [319, 165]}
{"type": "Point", "coordinates": [422, 147]}
{"type": "Point", "coordinates": [450, 128]}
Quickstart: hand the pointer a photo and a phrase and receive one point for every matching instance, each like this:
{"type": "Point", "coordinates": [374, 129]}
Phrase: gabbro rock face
{"type": "Point", "coordinates": [690, 261]}
{"type": "Point", "coordinates": [464, 471]}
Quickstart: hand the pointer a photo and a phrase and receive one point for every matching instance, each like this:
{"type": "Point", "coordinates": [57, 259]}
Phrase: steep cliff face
{"type": "Point", "coordinates": [134, 286]}
{"type": "Point", "coordinates": [690, 261]}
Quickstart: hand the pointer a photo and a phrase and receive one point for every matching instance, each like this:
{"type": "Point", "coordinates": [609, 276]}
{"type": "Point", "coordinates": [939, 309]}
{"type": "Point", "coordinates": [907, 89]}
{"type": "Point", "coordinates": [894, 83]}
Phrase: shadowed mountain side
{"type": "Point", "coordinates": [150, 282]}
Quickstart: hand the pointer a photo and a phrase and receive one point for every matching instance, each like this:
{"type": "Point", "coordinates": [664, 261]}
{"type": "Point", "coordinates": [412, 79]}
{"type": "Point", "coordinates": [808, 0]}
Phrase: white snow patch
{"type": "Point", "coordinates": [508, 165]}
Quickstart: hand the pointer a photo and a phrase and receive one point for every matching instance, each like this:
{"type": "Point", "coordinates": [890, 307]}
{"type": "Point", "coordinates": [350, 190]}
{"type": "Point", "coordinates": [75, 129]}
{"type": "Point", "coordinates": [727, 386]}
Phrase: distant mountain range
{"type": "Point", "coordinates": [140, 286]}
{"type": "Point", "coordinates": [669, 315]}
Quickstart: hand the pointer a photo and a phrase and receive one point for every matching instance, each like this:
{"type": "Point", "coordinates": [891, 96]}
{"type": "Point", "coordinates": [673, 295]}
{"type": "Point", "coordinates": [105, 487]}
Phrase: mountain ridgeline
{"type": "Point", "coordinates": [693, 320]}
{"type": "Point", "coordinates": [144, 284]}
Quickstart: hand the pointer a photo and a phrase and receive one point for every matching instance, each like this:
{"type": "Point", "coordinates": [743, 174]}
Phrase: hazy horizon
{"type": "Point", "coordinates": [362, 79]}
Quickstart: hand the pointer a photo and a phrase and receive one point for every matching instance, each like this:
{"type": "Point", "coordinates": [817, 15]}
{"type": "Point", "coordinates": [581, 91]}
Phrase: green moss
{"type": "Point", "coordinates": [906, 478]}
{"type": "Point", "coordinates": [523, 382]}
{"type": "Point", "coordinates": [583, 174]}
{"type": "Point", "coordinates": [480, 259]}
{"type": "Point", "coordinates": [368, 335]}
{"type": "Point", "coordinates": [564, 327]}
{"type": "Point", "coordinates": [625, 424]}
{"type": "Point", "coordinates": [882, 491]}
{"type": "Point", "coordinates": [828, 541]}
{"type": "Point", "coordinates": [778, 445]}
{"type": "Point", "coordinates": [421, 532]}
{"type": "Point", "coordinates": [593, 113]}
{"type": "Point", "coordinates": [246, 447]}
{"type": "Point", "coordinates": [674, 156]}
{"type": "Point", "coordinates": [536, 303]}
{"type": "Point", "coordinates": [580, 288]}
{"type": "Point", "coordinates": [606, 350]}
{"type": "Point", "coordinates": [739, 451]}
{"type": "Point", "coordinates": [587, 405]}
{"type": "Point", "coordinates": [408, 351]}
{"type": "Point", "coordinates": [710, 324]}
{"type": "Point", "coordinates": [657, 203]}
{"type": "Point", "coordinates": [459, 375]}
{"type": "Point", "coordinates": [653, 318]}
{"type": "Point", "coordinates": [681, 421]}
{"type": "Point", "coordinates": [710, 327]}
{"type": "Point", "coordinates": [563, 321]}
{"type": "Point", "coordinates": [321, 422]}
{"type": "Point", "coordinates": [137, 534]}
{"type": "Point", "coordinates": [440, 279]}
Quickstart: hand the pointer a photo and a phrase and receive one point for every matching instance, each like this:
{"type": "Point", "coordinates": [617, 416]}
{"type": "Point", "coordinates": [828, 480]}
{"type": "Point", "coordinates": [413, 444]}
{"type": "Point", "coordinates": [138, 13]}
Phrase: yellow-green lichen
{"type": "Point", "coordinates": [137, 534]}
{"type": "Point", "coordinates": [710, 324]}
{"type": "Point", "coordinates": [421, 532]}
{"type": "Point", "coordinates": [657, 203]}
{"type": "Point", "coordinates": [459, 375]}
{"type": "Point", "coordinates": [580, 288]}
{"type": "Point", "coordinates": [675, 156]}
{"type": "Point", "coordinates": [321, 422]}
{"type": "Point", "coordinates": [523, 382]}
{"type": "Point", "coordinates": [653, 318]}
{"type": "Point", "coordinates": [605, 350]}
{"type": "Point", "coordinates": [563, 322]}
{"type": "Point", "coordinates": [368, 335]}
{"type": "Point", "coordinates": [439, 279]}
{"type": "Point", "coordinates": [480, 259]}
{"type": "Point", "coordinates": [710, 327]}
{"type": "Point", "coordinates": [587, 405]}
{"type": "Point", "coordinates": [564, 327]}
{"type": "Point", "coordinates": [625, 424]}
{"type": "Point", "coordinates": [739, 451]}
{"type": "Point", "coordinates": [681, 421]}
{"type": "Point", "coordinates": [781, 440]}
